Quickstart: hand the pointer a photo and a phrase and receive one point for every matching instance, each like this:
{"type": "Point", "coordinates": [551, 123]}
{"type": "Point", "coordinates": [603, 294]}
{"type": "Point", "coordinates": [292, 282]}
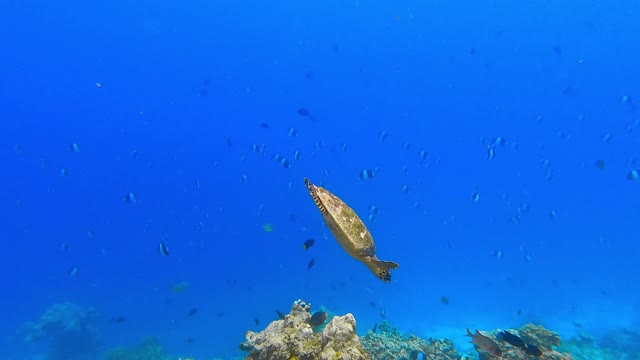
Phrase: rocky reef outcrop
{"type": "Point", "coordinates": [293, 338]}
{"type": "Point", "coordinates": [387, 343]}
{"type": "Point", "coordinates": [70, 329]}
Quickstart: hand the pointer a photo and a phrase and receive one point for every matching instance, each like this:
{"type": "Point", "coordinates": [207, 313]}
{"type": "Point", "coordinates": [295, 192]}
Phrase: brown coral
{"type": "Point", "coordinates": [293, 338]}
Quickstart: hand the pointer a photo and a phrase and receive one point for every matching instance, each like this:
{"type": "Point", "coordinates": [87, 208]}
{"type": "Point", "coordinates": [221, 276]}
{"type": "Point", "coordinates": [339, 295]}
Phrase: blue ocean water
{"type": "Point", "coordinates": [524, 208]}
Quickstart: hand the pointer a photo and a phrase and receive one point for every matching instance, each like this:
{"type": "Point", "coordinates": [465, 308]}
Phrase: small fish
{"type": "Point", "coordinates": [64, 246]}
{"type": "Point", "coordinates": [117, 320]}
{"type": "Point", "coordinates": [292, 132]}
{"type": "Point", "coordinates": [423, 155]}
{"type": "Point", "coordinates": [311, 263]}
{"type": "Point", "coordinates": [267, 227]}
{"type": "Point", "coordinates": [98, 85]}
{"type": "Point", "coordinates": [375, 328]}
{"type": "Point", "coordinates": [417, 355]}
{"type": "Point", "coordinates": [304, 112]}
{"type": "Point", "coordinates": [366, 174]}
{"type": "Point", "coordinates": [64, 172]}
{"type": "Point", "coordinates": [189, 340]}
{"type": "Point", "coordinates": [296, 155]}
{"type": "Point", "coordinates": [281, 316]}
{"type": "Point", "coordinates": [600, 164]}
{"type": "Point", "coordinates": [192, 312]}
{"type": "Point", "coordinates": [519, 312]}
{"type": "Point", "coordinates": [444, 300]}
{"type": "Point", "coordinates": [485, 343]}
{"type": "Point", "coordinates": [260, 149]}
{"type": "Point", "coordinates": [264, 125]}
{"type": "Point", "coordinates": [307, 244]}
{"type": "Point", "coordinates": [533, 350]}
{"type": "Point", "coordinates": [257, 321]}
{"type": "Point", "coordinates": [372, 217]}
{"type": "Point", "coordinates": [383, 135]}
{"type": "Point", "coordinates": [75, 148]}
{"type": "Point", "coordinates": [163, 249]}
{"type": "Point", "coordinates": [512, 339]}
{"type": "Point", "coordinates": [633, 175]}
{"type": "Point", "coordinates": [491, 152]}
{"type": "Point", "coordinates": [73, 272]}
{"type": "Point", "coordinates": [373, 210]}
{"type": "Point", "coordinates": [282, 160]}
{"type": "Point", "coordinates": [180, 287]}
{"type": "Point", "coordinates": [130, 198]}
{"type": "Point", "coordinates": [318, 318]}
{"type": "Point", "coordinates": [404, 188]}
{"type": "Point", "coordinates": [475, 197]}
{"type": "Point", "coordinates": [383, 314]}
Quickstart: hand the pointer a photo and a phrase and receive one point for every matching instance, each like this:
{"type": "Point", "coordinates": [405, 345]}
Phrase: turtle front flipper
{"type": "Point", "coordinates": [381, 269]}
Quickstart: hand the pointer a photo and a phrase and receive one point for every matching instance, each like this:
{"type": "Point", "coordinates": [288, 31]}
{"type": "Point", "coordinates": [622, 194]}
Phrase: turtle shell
{"type": "Point", "coordinates": [344, 223]}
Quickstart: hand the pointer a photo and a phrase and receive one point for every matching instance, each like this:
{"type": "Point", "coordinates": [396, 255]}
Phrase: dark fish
{"type": "Point", "coordinates": [118, 320]}
{"type": "Point", "coordinates": [578, 325]}
{"type": "Point", "coordinates": [309, 75]}
{"type": "Point", "coordinates": [372, 304]}
{"type": "Point", "coordinates": [192, 312]}
{"type": "Point", "coordinates": [163, 249]}
{"type": "Point", "coordinates": [512, 339]}
{"type": "Point", "coordinates": [491, 152]}
{"type": "Point", "coordinates": [281, 316]}
{"type": "Point", "coordinates": [256, 321]}
{"type": "Point", "coordinates": [282, 160]}
{"type": "Point", "coordinates": [304, 112]}
{"type": "Point", "coordinates": [264, 125]}
{"type": "Point", "coordinates": [129, 198]}
{"type": "Point", "coordinates": [485, 343]}
{"type": "Point", "coordinates": [533, 350]}
{"type": "Point", "coordinates": [365, 174]}
{"type": "Point", "coordinates": [318, 318]}
{"type": "Point", "coordinates": [375, 328]}
{"type": "Point", "coordinates": [311, 263]}
{"type": "Point", "coordinates": [307, 244]}
{"type": "Point", "coordinates": [519, 312]}
{"type": "Point", "coordinates": [229, 142]}
{"type": "Point", "coordinates": [600, 164]}
{"type": "Point", "coordinates": [189, 340]}
{"type": "Point", "coordinates": [416, 355]}
{"type": "Point", "coordinates": [444, 300]}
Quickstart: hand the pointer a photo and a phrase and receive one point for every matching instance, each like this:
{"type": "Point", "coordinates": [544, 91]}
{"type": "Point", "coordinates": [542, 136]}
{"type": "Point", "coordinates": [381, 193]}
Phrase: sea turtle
{"type": "Point", "coordinates": [350, 231]}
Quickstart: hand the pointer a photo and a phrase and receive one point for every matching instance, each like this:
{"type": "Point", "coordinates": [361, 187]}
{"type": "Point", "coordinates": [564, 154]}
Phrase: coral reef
{"type": "Point", "coordinates": [69, 328]}
{"type": "Point", "coordinates": [618, 344]}
{"type": "Point", "coordinates": [149, 349]}
{"type": "Point", "coordinates": [294, 339]}
{"type": "Point", "coordinates": [389, 344]}
{"type": "Point", "coordinates": [538, 336]}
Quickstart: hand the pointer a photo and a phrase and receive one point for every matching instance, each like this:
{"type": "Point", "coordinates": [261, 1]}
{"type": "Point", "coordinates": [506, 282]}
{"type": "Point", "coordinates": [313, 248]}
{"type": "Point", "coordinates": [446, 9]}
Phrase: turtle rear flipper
{"type": "Point", "coordinates": [382, 269]}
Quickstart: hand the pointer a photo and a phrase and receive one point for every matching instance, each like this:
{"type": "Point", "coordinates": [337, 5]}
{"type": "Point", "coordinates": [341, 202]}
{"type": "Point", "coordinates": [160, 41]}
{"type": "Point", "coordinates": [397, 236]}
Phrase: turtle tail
{"type": "Point", "coordinates": [382, 269]}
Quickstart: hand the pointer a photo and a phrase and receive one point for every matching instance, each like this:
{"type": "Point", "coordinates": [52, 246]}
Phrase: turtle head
{"type": "Point", "coordinates": [314, 195]}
